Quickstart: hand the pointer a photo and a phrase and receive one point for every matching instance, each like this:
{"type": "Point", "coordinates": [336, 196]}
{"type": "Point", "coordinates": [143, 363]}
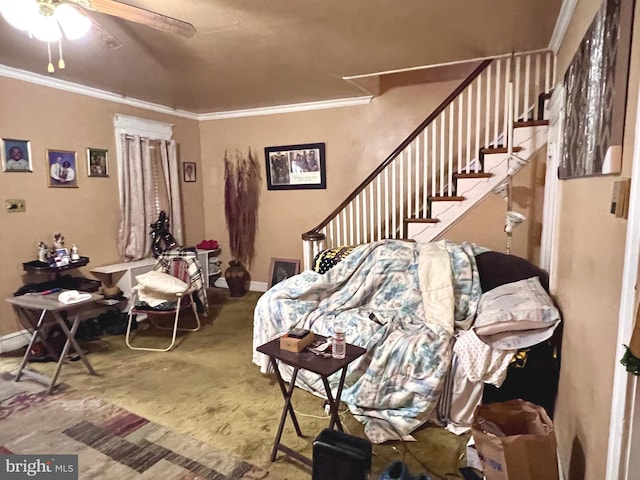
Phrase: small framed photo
{"type": "Point", "coordinates": [16, 155]}
{"type": "Point", "coordinates": [62, 168]}
{"type": "Point", "coordinates": [97, 162]}
{"type": "Point", "coordinates": [292, 167]}
{"type": "Point", "coordinates": [189, 171]}
{"type": "Point", "coordinates": [282, 268]}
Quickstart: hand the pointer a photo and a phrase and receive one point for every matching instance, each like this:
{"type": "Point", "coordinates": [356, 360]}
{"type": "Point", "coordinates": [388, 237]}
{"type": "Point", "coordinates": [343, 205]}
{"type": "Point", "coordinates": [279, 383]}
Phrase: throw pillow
{"type": "Point", "coordinates": [161, 282]}
{"type": "Point", "coordinates": [516, 315]}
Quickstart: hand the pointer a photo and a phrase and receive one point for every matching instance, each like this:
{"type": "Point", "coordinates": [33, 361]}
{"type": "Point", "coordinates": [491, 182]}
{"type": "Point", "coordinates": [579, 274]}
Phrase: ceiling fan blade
{"type": "Point", "coordinates": [140, 15]}
{"type": "Point", "coordinates": [105, 37]}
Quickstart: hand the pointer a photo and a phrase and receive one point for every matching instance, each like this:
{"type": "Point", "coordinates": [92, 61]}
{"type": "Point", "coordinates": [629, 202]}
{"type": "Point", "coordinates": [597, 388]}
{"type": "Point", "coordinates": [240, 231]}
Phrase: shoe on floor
{"type": "Point", "coordinates": [396, 471]}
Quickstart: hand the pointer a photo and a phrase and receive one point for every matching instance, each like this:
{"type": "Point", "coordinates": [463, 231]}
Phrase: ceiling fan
{"type": "Point", "coordinates": [128, 12]}
{"type": "Point", "coordinates": [22, 12]}
{"type": "Point", "coordinates": [49, 20]}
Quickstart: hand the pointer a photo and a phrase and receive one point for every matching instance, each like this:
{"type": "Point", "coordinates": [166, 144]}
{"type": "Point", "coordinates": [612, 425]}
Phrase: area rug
{"type": "Point", "coordinates": [110, 441]}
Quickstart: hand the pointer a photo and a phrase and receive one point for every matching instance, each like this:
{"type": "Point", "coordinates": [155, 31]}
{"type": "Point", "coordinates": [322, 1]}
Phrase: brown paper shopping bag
{"type": "Point", "coordinates": [515, 441]}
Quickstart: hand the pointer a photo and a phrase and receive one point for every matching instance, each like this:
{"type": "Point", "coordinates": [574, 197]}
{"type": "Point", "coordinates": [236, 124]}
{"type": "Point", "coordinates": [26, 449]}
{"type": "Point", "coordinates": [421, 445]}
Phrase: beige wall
{"type": "Point", "coordinates": [87, 215]}
{"type": "Point", "coordinates": [589, 272]}
{"type": "Point", "coordinates": [357, 140]}
{"type": "Point", "coordinates": [484, 224]}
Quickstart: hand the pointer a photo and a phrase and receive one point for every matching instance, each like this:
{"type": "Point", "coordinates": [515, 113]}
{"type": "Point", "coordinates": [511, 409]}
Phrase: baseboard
{"type": "Point", "coordinates": [14, 341]}
{"type": "Point", "coordinates": [254, 286]}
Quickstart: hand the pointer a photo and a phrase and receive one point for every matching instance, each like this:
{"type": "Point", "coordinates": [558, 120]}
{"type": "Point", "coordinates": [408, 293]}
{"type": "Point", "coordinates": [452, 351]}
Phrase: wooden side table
{"type": "Point", "coordinates": [306, 360]}
{"type": "Point", "coordinates": [50, 305]}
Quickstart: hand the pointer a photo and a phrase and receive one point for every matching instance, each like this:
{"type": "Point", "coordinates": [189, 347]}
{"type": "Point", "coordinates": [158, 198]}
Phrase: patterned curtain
{"type": "Point", "coordinates": [149, 183]}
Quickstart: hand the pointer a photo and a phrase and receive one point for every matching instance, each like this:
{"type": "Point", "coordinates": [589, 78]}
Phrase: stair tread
{"type": "Point", "coordinates": [447, 199]}
{"type": "Point", "coordinates": [500, 150]}
{"type": "Point", "coordinates": [422, 220]}
{"type": "Point", "coordinates": [531, 123]}
{"type": "Point", "coordinates": [473, 175]}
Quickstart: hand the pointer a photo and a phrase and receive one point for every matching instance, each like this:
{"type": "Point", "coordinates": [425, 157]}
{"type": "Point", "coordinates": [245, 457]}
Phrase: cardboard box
{"type": "Point", "coordinates": [473, 460]}
{"type": "Point", "coordinates": [295, 344]}
{"type": "Point", "coordinates": [515, 441]}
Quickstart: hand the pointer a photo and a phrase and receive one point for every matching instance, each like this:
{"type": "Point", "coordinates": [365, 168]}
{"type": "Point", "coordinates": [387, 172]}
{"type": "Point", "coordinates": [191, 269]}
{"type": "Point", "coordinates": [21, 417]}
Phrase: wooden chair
{"type": "Point", "coordinates": [169, 283]}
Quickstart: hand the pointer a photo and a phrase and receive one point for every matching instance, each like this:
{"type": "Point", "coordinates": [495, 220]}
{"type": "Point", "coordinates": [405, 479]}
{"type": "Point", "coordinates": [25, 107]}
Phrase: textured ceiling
{"type": "Point", "coordinates": [261, 53]}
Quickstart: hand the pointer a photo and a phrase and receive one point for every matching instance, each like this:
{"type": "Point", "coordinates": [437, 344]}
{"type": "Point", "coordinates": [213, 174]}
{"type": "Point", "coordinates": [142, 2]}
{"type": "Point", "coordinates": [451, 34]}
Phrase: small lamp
{"type": "Point", "coordinates": [512, 220]}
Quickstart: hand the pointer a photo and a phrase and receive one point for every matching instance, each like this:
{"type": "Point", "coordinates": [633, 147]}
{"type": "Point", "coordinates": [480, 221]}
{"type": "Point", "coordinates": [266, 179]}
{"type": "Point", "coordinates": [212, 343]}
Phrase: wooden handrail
{"type": "Point", "coordinates": [313, 233]}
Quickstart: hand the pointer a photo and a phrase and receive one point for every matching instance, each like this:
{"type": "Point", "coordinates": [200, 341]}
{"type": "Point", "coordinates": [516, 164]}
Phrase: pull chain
{"type": "Point", "coordinates": [50, 68]}
{"type": "Point", "coordinates": [61, 60]}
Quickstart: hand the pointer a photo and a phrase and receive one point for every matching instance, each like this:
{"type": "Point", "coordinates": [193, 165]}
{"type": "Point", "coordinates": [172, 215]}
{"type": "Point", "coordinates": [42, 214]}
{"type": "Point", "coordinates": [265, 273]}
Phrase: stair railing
{"type": "Point", "coordinates": [473, 117]}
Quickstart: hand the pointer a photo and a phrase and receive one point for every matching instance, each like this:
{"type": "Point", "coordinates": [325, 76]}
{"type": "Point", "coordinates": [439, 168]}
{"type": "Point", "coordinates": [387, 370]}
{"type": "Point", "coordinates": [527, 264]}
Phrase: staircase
{"type": "Point", "coordinates": [467, 148]}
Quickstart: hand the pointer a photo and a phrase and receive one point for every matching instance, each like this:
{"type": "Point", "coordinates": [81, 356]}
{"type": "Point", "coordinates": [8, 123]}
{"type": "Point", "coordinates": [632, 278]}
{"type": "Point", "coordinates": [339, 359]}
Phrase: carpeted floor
{"type": "Point", "coordinates": [208, 388]}
{"type": "Point", "coordinates": [110, 441]}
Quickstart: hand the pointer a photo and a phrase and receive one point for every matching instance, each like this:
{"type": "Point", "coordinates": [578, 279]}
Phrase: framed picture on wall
{"type": "Point", "coordinates": [292, 167]}
{"type": "Point", "coordinates": [62, 168]}
{"type": "Point", "coordinates": [97, 162]}
{"type": "Point", "coordinates": [16, 155]}
{"type": "Point", "coordinates": [282, 268]}
{"type": "Point", "coordinates": [189, 171]}
{"type": "Point", "coordinates": [596, 94]}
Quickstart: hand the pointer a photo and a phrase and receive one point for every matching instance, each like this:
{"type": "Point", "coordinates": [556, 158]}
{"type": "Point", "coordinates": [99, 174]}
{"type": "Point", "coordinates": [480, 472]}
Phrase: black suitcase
{"type": "Point", "coordinates": [338, 456]}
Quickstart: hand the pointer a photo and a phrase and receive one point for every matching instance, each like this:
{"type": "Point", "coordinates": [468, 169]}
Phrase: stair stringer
{"type": "Point", "coordinates": [530, 139]}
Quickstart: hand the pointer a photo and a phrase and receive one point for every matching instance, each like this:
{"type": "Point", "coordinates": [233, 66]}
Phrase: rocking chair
{"type": "Point", "coordinates": [166, 290]}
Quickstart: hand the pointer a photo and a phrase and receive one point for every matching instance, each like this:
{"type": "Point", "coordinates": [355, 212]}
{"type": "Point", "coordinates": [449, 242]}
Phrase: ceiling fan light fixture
{"type": "Point", "coordinates": [45, 28]}
{"type": "Point", "coordinates": [19, 13]}
{"type": "Point", "coordinates": [74, 23]}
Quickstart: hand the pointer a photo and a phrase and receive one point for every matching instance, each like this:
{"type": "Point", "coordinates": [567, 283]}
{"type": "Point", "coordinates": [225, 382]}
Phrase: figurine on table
{"type": "Point", "coordinates": [44, 252]}
{"type": "Point", "coordinates": [58, 240]}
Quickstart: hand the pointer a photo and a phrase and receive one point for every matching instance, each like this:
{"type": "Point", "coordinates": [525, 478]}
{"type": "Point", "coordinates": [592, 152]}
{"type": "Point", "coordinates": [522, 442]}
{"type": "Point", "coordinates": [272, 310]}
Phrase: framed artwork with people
{"type": "Point", "coordinates": [292, 167]}
{"type": "Point", "coordinates": [16, 155]}
{"type": "Point", "coordinates": [189, 171]}
{"type": "Point", "coordinates": [282, 268]}
{"type": "Point", "coordinates": [62, 168]}
{"type": "Point", "coordinates": [97, 162]}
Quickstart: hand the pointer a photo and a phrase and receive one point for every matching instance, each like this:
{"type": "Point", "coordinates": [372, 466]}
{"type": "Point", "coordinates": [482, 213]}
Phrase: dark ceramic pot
{"type": "Point", "coordinates": [238, 278]}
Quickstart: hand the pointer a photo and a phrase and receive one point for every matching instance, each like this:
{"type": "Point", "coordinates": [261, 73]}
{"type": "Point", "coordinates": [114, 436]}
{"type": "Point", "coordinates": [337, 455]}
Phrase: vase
{"type": "Point", "coordinates": [237, 278]}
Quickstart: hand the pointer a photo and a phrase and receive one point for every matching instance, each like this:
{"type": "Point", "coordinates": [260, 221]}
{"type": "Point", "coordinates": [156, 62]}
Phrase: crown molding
{"type": "Point", "coordinates": [295, 107]}
{"type": "Point", "coordinates": [562, 24]}
{"type": "Point", "coordinates": [43, 80]}
{"type": "Point", "coordinates": [50, 82]}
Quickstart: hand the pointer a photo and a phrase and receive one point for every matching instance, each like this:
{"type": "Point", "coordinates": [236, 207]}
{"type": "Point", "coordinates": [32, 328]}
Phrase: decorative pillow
{"type": "Point", "coordinates": [516, 315]}
{"type": "Point", "coordinates": [330, 257]}
{"type": "Point", "coordinates": [161, 282]}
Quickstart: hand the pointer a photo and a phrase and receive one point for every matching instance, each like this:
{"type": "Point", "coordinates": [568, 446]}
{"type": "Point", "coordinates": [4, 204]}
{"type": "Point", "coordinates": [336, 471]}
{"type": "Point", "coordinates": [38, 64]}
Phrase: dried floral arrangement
{"type": "Point", "coordinates": [242, 183]}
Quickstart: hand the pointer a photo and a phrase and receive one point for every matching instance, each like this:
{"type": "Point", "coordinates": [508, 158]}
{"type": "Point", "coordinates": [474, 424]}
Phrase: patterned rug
{"type": "Point", "coordinates": [111, 443]}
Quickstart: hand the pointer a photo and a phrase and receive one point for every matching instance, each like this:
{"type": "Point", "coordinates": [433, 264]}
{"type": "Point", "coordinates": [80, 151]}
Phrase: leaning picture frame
{"type": "Point", "coordinates": [292, 167]}
{"type": "Point", "coordinates": [97, 162]}
{"type": "Point", "coordinates": [16, 155]}
{"type": "Point", "coordinates": [62, 168]}
{"type": "Point", "coordinates": [282, 268]}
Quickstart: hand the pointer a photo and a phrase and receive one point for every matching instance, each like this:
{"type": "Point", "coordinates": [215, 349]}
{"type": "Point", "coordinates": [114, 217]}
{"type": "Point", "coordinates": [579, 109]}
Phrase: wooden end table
{"type": "Point", "coordinates": [324, 367]}
{"type": "Point", "coordinates": [46, 305]}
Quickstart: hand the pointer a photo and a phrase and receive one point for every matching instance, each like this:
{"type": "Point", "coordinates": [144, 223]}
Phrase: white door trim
{"type": "Point", "coordinates": [623, 415]}
{"type": "Point", "coordinates": [551, 191]}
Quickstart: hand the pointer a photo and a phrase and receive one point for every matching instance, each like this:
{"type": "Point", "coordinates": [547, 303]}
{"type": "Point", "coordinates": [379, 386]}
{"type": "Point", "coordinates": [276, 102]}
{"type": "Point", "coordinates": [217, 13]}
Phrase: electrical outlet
{"type": "Point", "coordinates": [327, 409]}
{"type": "Point", "coordinates": [14, 205]}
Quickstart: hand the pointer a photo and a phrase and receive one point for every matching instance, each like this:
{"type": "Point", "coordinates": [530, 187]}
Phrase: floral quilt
{"type": "Point", "coordinates": [402, 302]}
